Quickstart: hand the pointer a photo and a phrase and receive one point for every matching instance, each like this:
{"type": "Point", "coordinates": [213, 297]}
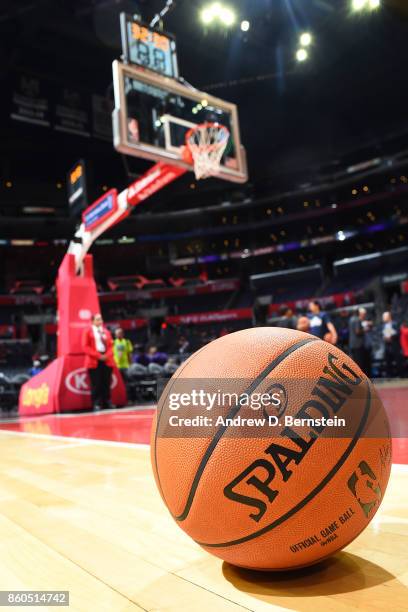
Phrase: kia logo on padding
{"type": "Point", "coordinates": [77, 382]}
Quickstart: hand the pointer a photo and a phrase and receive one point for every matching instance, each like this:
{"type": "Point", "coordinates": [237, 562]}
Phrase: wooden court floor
{"type": "Point", "coordinates": [85, 516]}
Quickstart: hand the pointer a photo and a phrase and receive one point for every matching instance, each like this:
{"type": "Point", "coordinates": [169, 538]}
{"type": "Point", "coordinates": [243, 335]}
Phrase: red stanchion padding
{"type": "Point", "coordinates": [40, 394]}
{"type": "Point", "coordinates": [77, 302]}
{"type": "Point", "coordinates": [64, 387]}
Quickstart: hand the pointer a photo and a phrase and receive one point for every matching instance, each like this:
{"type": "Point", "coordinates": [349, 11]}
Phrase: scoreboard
{"type": "Point", "coordinates": [148, 47]}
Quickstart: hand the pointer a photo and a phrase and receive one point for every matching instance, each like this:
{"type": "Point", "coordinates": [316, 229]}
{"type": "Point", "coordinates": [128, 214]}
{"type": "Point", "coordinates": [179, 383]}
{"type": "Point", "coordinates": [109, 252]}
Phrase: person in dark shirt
{"type": "Point", "coordinates": [360, 340]}
{"type": "Point", "coordinates": [36, 369]}
{"type": "Point", "coordinates": [287, 318]}
{"type": "Point", "coordinates": [320, 323]}
{"type": "Point", "coordinates": [184, 344]}
{"type": "Point", "coordinates": [156, 356]}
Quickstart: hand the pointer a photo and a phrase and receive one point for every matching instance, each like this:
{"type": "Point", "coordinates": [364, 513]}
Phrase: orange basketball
{"type": "Point", "coordinates": [277, 485]}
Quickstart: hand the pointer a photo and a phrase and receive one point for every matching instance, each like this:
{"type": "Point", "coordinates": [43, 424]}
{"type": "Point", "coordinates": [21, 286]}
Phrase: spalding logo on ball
{"type": "Point", "coordinates": [283, 486]}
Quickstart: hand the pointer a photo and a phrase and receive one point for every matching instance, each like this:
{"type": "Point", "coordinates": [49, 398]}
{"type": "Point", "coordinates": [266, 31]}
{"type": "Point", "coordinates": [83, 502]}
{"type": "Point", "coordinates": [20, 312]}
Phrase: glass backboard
{"type": "Point", "coordinates": [153, 114]}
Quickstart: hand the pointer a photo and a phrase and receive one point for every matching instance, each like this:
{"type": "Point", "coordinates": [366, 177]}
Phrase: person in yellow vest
{"type": "Point", "coordinates": [122, 351]}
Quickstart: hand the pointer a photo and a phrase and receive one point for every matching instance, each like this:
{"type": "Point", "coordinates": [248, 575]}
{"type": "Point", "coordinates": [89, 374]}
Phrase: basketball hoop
{"type": "Point", "coordinates": [207, 143]}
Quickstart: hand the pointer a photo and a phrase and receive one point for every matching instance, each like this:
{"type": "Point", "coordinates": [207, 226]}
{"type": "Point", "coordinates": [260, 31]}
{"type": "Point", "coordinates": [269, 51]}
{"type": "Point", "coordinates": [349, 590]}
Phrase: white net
{"type": "Point", "coordinates": [207, 143]}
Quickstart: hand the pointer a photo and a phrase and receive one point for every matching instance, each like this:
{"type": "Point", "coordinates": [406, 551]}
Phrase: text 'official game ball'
{"type": "Point", "coordinates": [271, 449]}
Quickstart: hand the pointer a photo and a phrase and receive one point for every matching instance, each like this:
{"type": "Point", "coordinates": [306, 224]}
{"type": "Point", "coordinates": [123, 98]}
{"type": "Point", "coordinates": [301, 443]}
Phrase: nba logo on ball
{"type": "Point", "coordinates": [269, 487]}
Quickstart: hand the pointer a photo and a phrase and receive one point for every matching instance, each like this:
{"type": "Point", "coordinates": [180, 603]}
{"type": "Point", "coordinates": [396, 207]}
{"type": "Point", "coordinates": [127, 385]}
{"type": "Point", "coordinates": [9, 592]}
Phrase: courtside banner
{"type": "Point", "coordinates": [125, 324]}
{"type": "Point", "coordinates": [211, 317]}
{"type": "Point", "coordinates": [338, 300]}
{"type": "Point", "coordinates": [129, 296]}
{"type": "Point", "coordinates": [100, 210]}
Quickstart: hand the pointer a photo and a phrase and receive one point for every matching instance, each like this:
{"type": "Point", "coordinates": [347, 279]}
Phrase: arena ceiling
{"type": "Point", "coordinates": [350, 94]}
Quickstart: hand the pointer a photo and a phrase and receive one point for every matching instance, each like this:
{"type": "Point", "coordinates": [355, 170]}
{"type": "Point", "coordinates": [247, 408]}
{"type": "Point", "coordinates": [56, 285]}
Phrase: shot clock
{"type": "Point", "coordinates": [77, 188]}
{"type": "Point", "coordinates": [148, 47]}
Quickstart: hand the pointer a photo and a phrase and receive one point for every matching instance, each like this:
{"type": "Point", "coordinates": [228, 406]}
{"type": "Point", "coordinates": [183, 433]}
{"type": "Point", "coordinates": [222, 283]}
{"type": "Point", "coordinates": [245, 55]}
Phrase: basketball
{"type": "Point", "coordinates": [204, 305]}
{"type": "Point", "coordinates": [295, 487]}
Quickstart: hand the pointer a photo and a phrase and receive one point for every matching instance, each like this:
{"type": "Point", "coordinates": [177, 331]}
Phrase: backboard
{"type": "Point", "coordinates": [153, 114]}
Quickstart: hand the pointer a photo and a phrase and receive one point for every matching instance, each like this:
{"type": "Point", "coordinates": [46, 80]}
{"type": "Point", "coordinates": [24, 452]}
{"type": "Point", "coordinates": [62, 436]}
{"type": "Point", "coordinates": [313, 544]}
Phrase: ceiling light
{"type": "Point", "coordinates": [216, 9]}
{"type": "Point", "coordinates": [301, 55]}
{"type": "Point", "coordinates": [358, 5]}
{"type": "Point", "coordinates": [220, 12]}
{"type": "Point", "coordinates": [227, 16]}
{"type": "Point", "coordinates": [245, 25]}
{"type": "Point", "coordinates": [306, 39]}
{"type": "Point", "coordinates": [207, 16]}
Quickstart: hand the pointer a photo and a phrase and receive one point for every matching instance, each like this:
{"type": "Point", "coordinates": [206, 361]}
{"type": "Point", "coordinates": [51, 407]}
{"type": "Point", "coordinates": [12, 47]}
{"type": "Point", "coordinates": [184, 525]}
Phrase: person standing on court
{"type": "Point", "coordinates": [97, 345]}
{"type": "Point", "coordinates": [287, 318]}
{"type": "Point", "coordinates": [122, 351]}
{"type": "Point", "coordinates": [303, 324]}
{"type": "Point", "coordinates": [320, 323]}
{"type": "Point", "coordinates": [392, 347]}
{"type": "Point", "coordinates": [360, 340]}
{"type": "Point", "coordinates": [404, 344]}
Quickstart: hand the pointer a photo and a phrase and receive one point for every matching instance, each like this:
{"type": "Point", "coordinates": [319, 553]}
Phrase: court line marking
{"type": "Point", "coordinates": [390, 383]}
{"type": "Point", "coordinates": [133, 416]}
{"type": "Point", "coordinates": [400, 467]}
{"type": "Point", "coordinates": [64, 446]}
{"type": "Point", "coordinates": [84, 441]}
{"type": "Point", "coordinates": [62, 415]}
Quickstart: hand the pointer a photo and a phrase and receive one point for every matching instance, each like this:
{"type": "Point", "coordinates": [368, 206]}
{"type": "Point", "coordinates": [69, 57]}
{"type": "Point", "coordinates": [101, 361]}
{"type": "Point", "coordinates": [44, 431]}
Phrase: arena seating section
{"type": "Point", "coordinates": [234, 269]}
